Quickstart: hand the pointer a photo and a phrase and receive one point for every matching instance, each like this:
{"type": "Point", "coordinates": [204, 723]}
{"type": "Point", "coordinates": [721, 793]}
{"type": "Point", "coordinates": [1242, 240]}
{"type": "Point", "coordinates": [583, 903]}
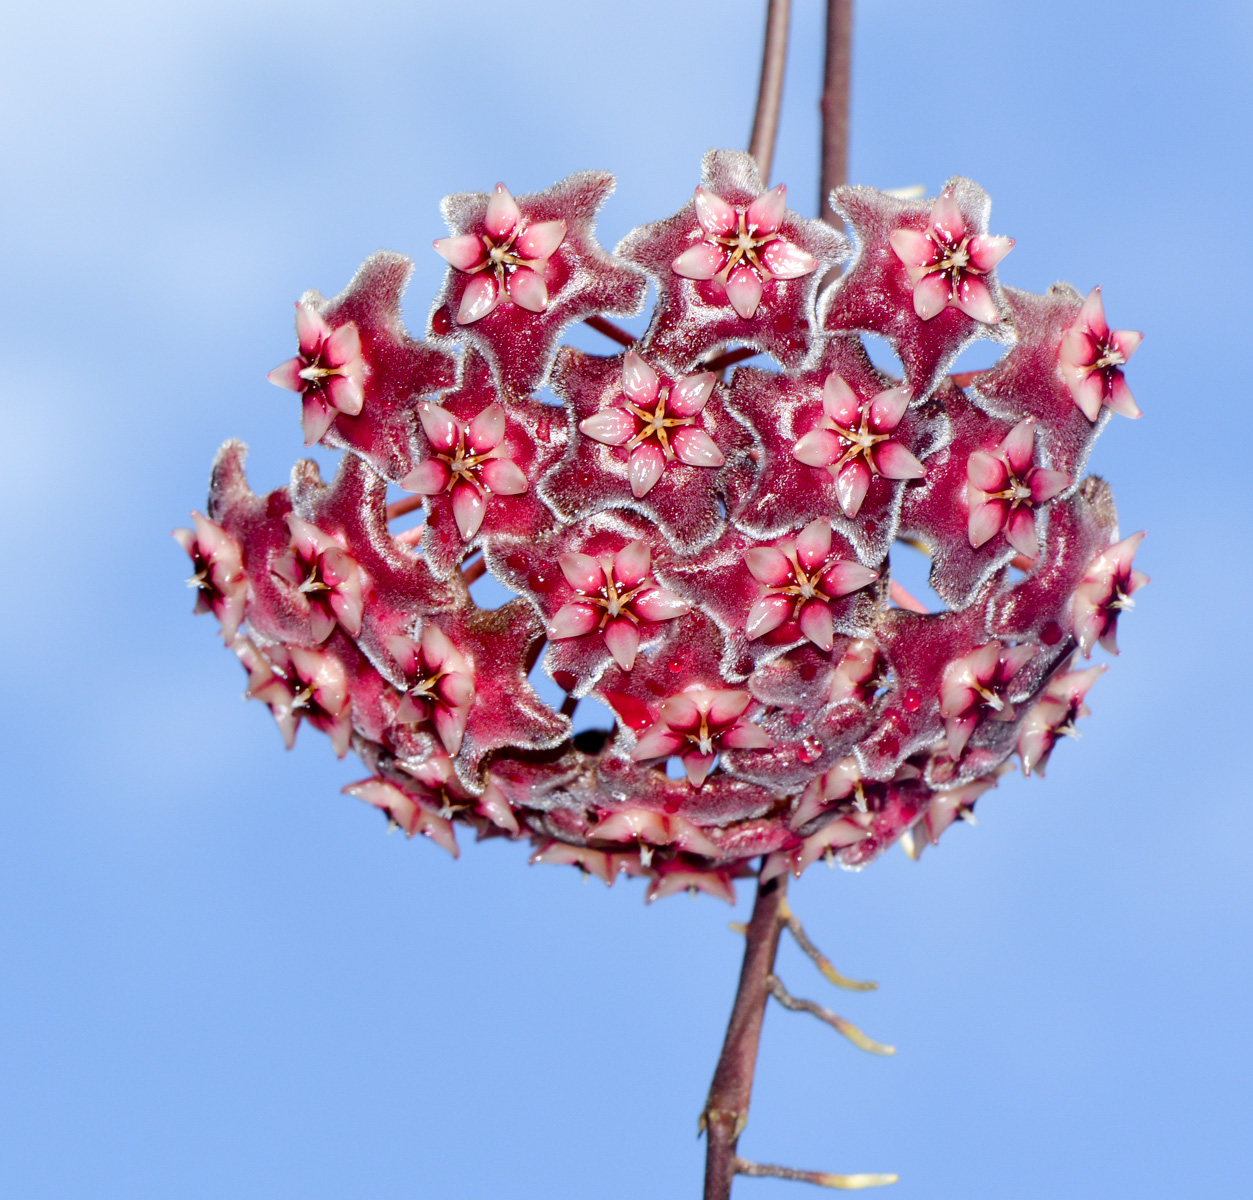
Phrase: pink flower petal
{"type": "Point", "coordinates": [450, 724]}
{"type": "Point", "coordinates": [487, 430]}
{"type": "Point", "coordinates": [541, 239]}
{"type": "Point", "coordinates": [456, 689]}
{"type": "Point", "coordinates": [931, 296]}
{"type": "Point", "coordinates": [698, 767]}
{"type": "Point", "coordinates": [696, 448]}
{"type": "Point", "coordinates": [311, 329]}
{"type": "Point", "coordinates": [986, 472]}
{"type": "Point", "coordinates": [958, 731]}
{"type": "Point", "coordinates": [744, 291]}
{"type": "Point", "coordinates": [631, 563]}
{"type": "Point", "coordinates": [726, 704]}
{"type": "Point", "coordinates": [786, 260]}
{"type": "Point", "coordinates": [639, 381]}
{"type": "Point", "coordinates": [847, 576]}
{"type": "Point", "coordinates": [658, 604]}
{"type": "Point", "coordinates": [986, 251]}
{"type": "Point", "coordinates": [287, 375]}
{"type": "Point", "coordinates": [1046, 484]}
{"type": "Point", "coordinates": [440, 427]}
{"type": "Point", "coordinates": [582, 572]}
{"type": "Point", "coordinates": [502, 214]}
{"type": "Point", "coordinates": [623, 640]}
{"type": "Point", "coordinates": [1020, 532]}
{"type": "Point", "coordinates": [315, 417]}
{"type": "Point", "coordinates": [468, 508]}
{"type": "Point", "coordinates": [840, 404]}
{"type": "Point", "coordinates": [947, 220]}
{"type": "Point", "coordinates": [610, 426]}
{"type": "Point", "coordinates": [342, 346]}
{"type": "Point", "coordinates": [681, 712]}
{"type": "Point", "coordinates": [813, 544]}
{"type": "Point", "coordinates": [690, 395]}
{"type": "Point", "coordinates": [851, 486]}
{"type": "Point", "coordinates": [1014, 658]}
{"type": "Point", "coordinates": [1120, 399]}
{"type": "Point", "coordinates": [1092, 315]}
{"type": "Point", "coordinates": [769, 565]}
{"type": "Point", "coordinates": [766, 615]}
{"type": "Point", "coordinates": [1077, 351]}
{"type": "Point", "coordinates": [817, 625]}
{"type": "Point", "coordinates": [504, 477]}
{"type": "Point", "coordinates": [345, 394]}
{"type": "Point", "coordinates": [657, 742]}
{"type": "Point", "coordinates": [974, 299]}
{"type": "Point", "coordinates": [913, 248]}
{"type": "Point", "coordinates": [818, 448]}
{"type": "Point", "coordinates": [480, 297]}
{"type": "Point", "coordinates": [428, 478]}
{"type": "Point", "coordinates": [464, 253]}
{"type": "Point", "coordinates": [1126, 342]}
{"type": "Point", "coordinates": [528, 290]}
{"type": "Point", "coordinates": [895, 462]}
{"type": "Point", "coordinates": [746, 736]}
{"type": "Point", "coordinates": [715, 215]}
{"type": "Point", "coordinates": [702, 261]}
{"type": "Point", "coordinates": [1088, 393]}
{"type": "Point", "coordinates": [986, 521]}
{"type": "Point", "coordinates": [573, 620]}
{"type": "Point", "coordinates": [1018, 448]}
{"type": "Point", "coordinates": [765, 214]}
{"type": "Point", "coordinates": [644, 468]}
{"type": "Point", "coordinates": [888, 407]}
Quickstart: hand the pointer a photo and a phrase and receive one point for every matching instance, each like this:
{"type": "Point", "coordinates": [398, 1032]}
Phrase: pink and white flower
{"type": "Point", "coordinates": [656, 423]}
{"type": "Point", "coordinates": [1005, 487]}
{"type": "Point", "coordinates": [441, 690]}
{"type": "Point", "coordinates": [218, 572]}
{"type": "Point", "coordinates": [695, 724]}
{"type": "Point", "coordinates": [467, 461]}
{"type": "Point", "coordinates": [1092, 357]}
{"type": "Point", "coordinates": [653, 829]}
{"type": "Point", "coordinates": [1104, 592]}
{"type": "Point", "coordinates": [977, 682]}
{"type": "Point", "coordinates": [946, 807]}
{"type": "Point", "coordinates": [326, 575]}
{"type": "Point", "coordinates": [1053, 716]}
{"type": "Point", "coordinates": [296, 682]}
{"type": "Point", "coordinates": [946, 263]}
{"type": "Point", "coordinates": [604, 864]}
{"type": "Point", "coordinates": [407, 811]}
{"type": "Point", "coordinates": [741, 247]}
{"type": "Point", "coordinates": [859, 674]}
{"type": "Point", "coordinates": [854, 441]}
{"type": "Point", "coordinates": [506, 259]}
{"type": "Point", "coordinates": [616, 593]}
{"type": "Point", "coordinates": [801, 578]}
{"type": "Point", "coordinates": [328, 372]}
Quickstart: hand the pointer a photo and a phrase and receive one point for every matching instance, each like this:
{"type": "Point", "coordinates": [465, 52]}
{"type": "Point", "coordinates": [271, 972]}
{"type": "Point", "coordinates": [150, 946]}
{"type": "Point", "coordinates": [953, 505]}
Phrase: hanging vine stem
{"type": "Point", "coordinates": [726, 1109]}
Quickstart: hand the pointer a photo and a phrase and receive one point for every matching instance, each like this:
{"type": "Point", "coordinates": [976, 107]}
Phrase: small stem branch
{"type": "Point", "coordinates": [838, 1023]}
{"type": "Point", "coordinates": [770, 93]}
{"type": "Point", "coordinates": [407, 505]}
{"type": "Point", "coordinates": [903, 599]}
{"type": "Point", "coordinates": [834, 105]}
{"type": "Point", "coordinates": [820, 960]}
{"type": "Point", "coordinates": [612, 331]}
{"type": "Point", "coordinates": [849, 1183]}
{"type": "Point", "coordinates": [728, 358]}
{"type": "Point", "coordinates": [726, 1109]}
{"type": "Point", "coordinates": [476, 570]}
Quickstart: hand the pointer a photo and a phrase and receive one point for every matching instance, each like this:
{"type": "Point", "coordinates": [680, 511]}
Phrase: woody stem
{"type": "Point", "coordinates": [834, 105]}
{"type": "Point", "coordinates": [770, 93]}
{"type": "Point", "coordinates": [726, 1109]}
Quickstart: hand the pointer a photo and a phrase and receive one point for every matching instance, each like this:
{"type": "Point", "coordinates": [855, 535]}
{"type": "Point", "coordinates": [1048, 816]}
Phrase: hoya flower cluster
{"type": "Point", "coordinates": [708, 556]}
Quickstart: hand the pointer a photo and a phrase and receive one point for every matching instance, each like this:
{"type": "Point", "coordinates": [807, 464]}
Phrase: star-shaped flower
{"type": "Point", "coordinates": [976, 682]}
{"type": "Point", "coordinates": [1005, 488]}
{"type": "Point", "coordinates": [854, 442]}
{"type": "Point", "coordinates": [615, 595]}
{"type": "Point", "coordinates": [1092, 357]}
{"type": "Point", "coordinates": [1053, 716]}
{"type": "Point", "coordinates": [411, 809]}
{"type": "Point", "coordinates": [325, 575]}
{"type": "Point", "coordinates": [695, 724]}
{"type": "Point", "coordinates": [1105, 592]}
{"type": "Point", "coordinates": [619, 438]}
{"type": "Point", "coordinates": [878, 293]}
{"type": "Point", "coordinates": [524, 269]}
{"type": "Point", "coordinates": [656, 423]}
{"type": "Point", "coordinates": [734, 265]}
{"type": "Point", "coordinates": [328, 372]}
{"type": "Point", "coordinates": [297, 682]}
{"type": "Point", "coordinates": [440, 686]}
{"type": "Point", "coordinates": [218, 574]}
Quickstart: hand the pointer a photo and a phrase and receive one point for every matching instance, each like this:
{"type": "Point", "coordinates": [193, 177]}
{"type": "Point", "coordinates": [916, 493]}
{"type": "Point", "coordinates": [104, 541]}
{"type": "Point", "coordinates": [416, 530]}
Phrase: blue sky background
{"type": "Point", "coordinates": [218, 978]}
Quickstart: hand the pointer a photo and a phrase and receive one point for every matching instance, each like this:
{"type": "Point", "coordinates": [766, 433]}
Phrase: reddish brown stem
{"type": "Point", "coordinates": [610, 330]}
{"type": "Point", "coordinates": [726, 1110]}
{"type": "Point", "coordinates": [770, 93]}
{"type": "Point", "coordinates": [729, 358]}
{"type": "Point", "coordinates": [407, 505]}
{"type": "Point", "coordinates": [834, 104]}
